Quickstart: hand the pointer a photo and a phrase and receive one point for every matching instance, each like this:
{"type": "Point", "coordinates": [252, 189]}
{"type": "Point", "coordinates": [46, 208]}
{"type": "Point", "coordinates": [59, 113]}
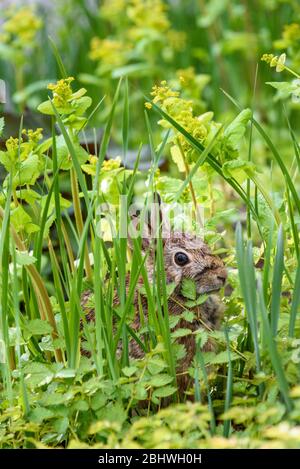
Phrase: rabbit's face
{"type": "Point", "coordinates": [187, 256]}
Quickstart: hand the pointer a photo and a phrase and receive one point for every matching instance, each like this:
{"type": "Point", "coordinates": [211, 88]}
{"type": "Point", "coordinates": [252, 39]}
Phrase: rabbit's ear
{"type": "Point", "coordinates": [148, 223]}
{"type": "Point", "coordinates": [138, 228]}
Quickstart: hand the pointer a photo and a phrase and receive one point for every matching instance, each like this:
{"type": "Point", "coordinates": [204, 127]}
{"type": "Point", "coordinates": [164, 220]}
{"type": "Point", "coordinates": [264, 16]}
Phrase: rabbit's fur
{"type": "Point", "coordinates": [209, 275]}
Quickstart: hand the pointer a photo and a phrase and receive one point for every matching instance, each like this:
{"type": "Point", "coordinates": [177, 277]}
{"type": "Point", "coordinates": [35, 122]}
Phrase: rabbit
{"type": "Point", "coordinates": [186, 256]}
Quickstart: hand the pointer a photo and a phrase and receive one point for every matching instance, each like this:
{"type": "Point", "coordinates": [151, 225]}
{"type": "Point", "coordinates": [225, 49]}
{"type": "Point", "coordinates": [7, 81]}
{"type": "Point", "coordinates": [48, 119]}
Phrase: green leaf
{"type": "Point", "coordinates": [160, 380]}
{"type": "Point", "coordinates": [188, 289]}
{"type": "Point", "coordinates": [238, 169]}
{"type": "Point", "coordinates": [7, 161]}
{"type": "Point", "coordinates": [129, 370]}
{"type": "Point", "coordinates": [285, 89]}
{"type": "Point", "coordinates": [61, 425]}
{"type": "Point", "coordinates": [82, 104]}
{"type": "Point", "coordinates": [63, 154]}
{"type": "Point", "coordinates": [177, 158]}
{"type": "Point", "coordinates": [222, 357]}
{"type": "Point", "coordinates": [22, 221]}
{"type": "Point", "coordinates": [46, 108]}
{"type": "Point", "coordinates": [235, 131]}
{"type": "Point", "coordinates": [29, 195]}
{"type": "Point", "coordinates": [182, 332]}
{"type": "Point", "coordinates": [163, 392]}
{"type": "Point", "coordinates": [82, 406]}
{"type": "Point", "coordinates": [24, 258]}
{"type": "Point", "coordinates": [39, 414]}
{"type": "Point", "coordinates": [66, 373]}
{"type": "Point", "coordinates": [156, 365]}
{"type": "Point", "coordinates": [38, 327]}
{"type": "Point", "coordinates": [28, 172]}
{"type": "Point", "coordinates": [188, 316]}
{"type": "Point", "coordinates": [198, 301]}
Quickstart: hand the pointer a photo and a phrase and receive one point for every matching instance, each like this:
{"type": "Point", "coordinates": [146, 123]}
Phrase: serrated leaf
{"type": "Point", "coordinates": [129, 370]}
{"type": "Point", "coordinates": [24, 258]}
{"type": "Point", "coordinates": [164, 392]}
{"type": "Point", "coordinates": [81, 406]}
{"type": "Point", "coordinates": [188, 316]}
{"type": "Point", "coordinates": [38, 327]}
{"type": "Point", "coordinates": [181, 332]}
{"type": "Point", "coordinates": [199, 301]}
{"type": "Point", "coordinates": [188, 288]}
{"type": "Point", "coordinates": [160, 380]}
{"type": "Point", "coordinates": [222, 357]}
{"type": "Point", "coordinates": [39, 414]}
{"type": "Point", "coordinates": [21, 220]}
{"type": "Point", "coordinates": [156, 365]}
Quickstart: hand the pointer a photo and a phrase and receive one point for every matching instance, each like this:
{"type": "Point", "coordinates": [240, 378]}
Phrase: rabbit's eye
{"type": "Point", "coordinates": [181, 258]}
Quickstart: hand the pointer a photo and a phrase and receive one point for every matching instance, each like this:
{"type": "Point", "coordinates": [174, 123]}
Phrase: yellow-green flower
{"type": "Point", "coordinates": [110, 52]}
{"type": "Point", "coordinates": [290, 37]}
{"type": "Point", "coordinates": [111, 164]}
{"type": "Point", "coordinates": [149, 14]}
{"type": "Point", "coordinates": [12, 145]}
{"type": "Point", "coordinates": [62, 92]}
{"type": "Point", "coordinates": [182, 111]}
{"type": "Point", "coordinates": [21, 27]}
{"type": "Point", "coordinates": [111, 8]}
{"type": "Point", "coordinates": [275, 61]}
{"type": "Point", "coordinates": [20, 149]}
{"type": "Point", "coordinates": [162, 92]}
{"type": "Point", "coordinates": [176, 39]}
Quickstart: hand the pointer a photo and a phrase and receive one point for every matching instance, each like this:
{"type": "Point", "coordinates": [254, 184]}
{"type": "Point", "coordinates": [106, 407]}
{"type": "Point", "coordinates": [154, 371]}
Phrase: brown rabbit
{"type": "Point", "coordinates": [185, 257]}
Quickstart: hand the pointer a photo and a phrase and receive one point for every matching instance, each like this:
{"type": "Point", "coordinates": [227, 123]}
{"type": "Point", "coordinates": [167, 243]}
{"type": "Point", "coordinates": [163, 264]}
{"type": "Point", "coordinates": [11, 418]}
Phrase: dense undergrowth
{"type": "Point", "coordinates": [164, 128]}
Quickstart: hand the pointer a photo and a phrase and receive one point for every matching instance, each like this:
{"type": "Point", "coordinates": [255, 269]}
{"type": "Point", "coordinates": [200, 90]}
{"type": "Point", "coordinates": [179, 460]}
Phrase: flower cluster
{"type": "Point", "coordinates": [148, 14]}
{"type": "Point", "coordinates": [203, 129]}
{"type": "Point", "coordinates": [20, 28]}
{"type": "Point", "coordinates": [138, 27]}
{"type": "Point", "coordinates": [182, 111]}
{"type": "Point", "coordinates": [275, 61]}
{"type": "Point", "coordinates": [290, 37]}
{"type": "Point", "coordinates": [112, 8]}
{"type": "Point", "coordinates": [110, 52]}
{"type": "Point", "coordinates": [290, 41]}
{"type": "Point", "coordinates": [22, 148]}
{"type": "Point", "coordinates": [62, 92]}
{"type": "Point", "coordinates": [111, 164]}
{"type": "Point", "coordinates": [70, 104]}
{"type": "Point", "coordinates": [163, 92]}
{"type": "Point", "coordinates": [176, 39]}
{"type": "Point", "coordinates": [23, 159]}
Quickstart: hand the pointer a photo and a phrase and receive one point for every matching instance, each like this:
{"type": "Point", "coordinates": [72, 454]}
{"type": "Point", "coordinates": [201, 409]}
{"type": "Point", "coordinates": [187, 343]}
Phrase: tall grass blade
{"type": "Point", "coordinates": [229, 384]}
{"type": "Point", "coordinates": [277, 281]}
{"type": "Point", "coordinates": [295, 302]}
{"type": "Point", "coordinates": [274, 354]}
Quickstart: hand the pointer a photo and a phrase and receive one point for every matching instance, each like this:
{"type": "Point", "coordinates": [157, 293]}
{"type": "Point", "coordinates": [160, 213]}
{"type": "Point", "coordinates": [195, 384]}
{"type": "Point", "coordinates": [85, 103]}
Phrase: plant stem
{"type": "Point", "coordinates": [79, 221]}
{"type": "Point", "coordinates": [194, 199]}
